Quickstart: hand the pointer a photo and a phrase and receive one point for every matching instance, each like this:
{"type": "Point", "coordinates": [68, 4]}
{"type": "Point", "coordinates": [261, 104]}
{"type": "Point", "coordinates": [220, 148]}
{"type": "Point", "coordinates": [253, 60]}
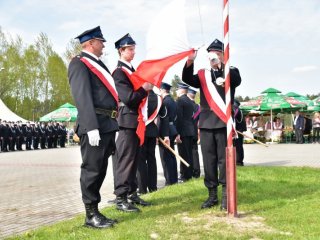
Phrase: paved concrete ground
{"type": "Point", "coordinates": [42, 187]}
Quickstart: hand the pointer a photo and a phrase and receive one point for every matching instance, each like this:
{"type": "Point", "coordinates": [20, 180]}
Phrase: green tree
{"type": "Point", "coordinates": [73, 49]}
{"type": "Point", "coordinates": [174, 83]}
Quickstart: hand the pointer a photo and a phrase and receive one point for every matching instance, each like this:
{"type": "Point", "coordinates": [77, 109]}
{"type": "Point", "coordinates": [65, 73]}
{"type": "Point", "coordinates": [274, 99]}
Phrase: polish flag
{"type": "Point", "coordinates": [167, 44]}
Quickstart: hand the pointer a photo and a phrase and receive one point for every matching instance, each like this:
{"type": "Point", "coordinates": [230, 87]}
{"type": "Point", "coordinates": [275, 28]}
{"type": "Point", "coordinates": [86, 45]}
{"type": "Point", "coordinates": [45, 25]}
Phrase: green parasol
{"type": "Point", "coordinates": [65, 113]}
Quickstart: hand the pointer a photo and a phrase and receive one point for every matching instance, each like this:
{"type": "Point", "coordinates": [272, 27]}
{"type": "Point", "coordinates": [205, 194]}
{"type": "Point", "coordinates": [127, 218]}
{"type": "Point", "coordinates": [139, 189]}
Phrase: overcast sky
{"type": "Point", "coordinates": [274, 43]}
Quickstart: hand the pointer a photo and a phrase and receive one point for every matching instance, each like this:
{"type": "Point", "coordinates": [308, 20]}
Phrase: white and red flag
{"type": "Point", "coordinates": [166, 43]}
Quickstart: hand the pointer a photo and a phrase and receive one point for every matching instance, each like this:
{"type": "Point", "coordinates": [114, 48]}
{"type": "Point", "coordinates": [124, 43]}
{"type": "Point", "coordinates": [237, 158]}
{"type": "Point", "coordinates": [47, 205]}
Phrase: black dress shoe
{"type": "Point", "coordinates": [209, 203]}
{"type": "Point", "coordinates": [122, 204]}
{"type": "Point", "coordinates": [97, 221]}
{"type": "Point", "coordinates": [135, 199]}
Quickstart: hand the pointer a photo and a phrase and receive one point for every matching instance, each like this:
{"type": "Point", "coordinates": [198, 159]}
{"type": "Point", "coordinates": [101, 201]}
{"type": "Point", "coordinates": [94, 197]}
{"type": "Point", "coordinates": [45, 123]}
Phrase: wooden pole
{"type": "Point", "coordinates": [174, 152]}
{"type": "Point", "coordinates": [230, 150]}
{"type": "Point", "coordinates": [257, 141]}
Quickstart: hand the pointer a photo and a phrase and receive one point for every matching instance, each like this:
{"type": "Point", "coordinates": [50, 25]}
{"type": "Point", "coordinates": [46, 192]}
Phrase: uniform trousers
{"type": "Point", "coordinates": [43, 142]}
{"type": "Point", "coordinates": [169, 163]}
{"type": "Point", "coordinates": [94, 166]}
{"type": "Point", "coordinates": [185, 151]}
{"type": "Point", "coordinates": [147, 167]}
{"type": "Point", "coordinates": [238, 142]}
{"type": "Point", "coordinates": [126, 162]}
{"type": "Point", "coordinates": [195, 158]}
{"type": "Point", "coordinates": [213, 147]}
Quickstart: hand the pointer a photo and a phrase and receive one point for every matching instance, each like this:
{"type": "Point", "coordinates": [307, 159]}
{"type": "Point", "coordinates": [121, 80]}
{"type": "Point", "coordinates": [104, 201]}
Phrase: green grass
{"type": "Point", "coordinates": [273, 203]}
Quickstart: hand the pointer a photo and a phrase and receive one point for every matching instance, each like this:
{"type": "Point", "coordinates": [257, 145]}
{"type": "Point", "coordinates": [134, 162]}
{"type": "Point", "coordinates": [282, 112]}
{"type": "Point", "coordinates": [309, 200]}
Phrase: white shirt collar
{"type": "Point", "coordinates": [125, 62]}
{"type": "Point", "coordinates": [91, 54]}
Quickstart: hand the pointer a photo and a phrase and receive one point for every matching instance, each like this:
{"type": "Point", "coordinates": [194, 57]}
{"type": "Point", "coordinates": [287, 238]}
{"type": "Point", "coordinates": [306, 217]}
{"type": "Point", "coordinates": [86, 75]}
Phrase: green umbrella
{"type": "Point", "coordinates": [291, 96]}
{"type": "Point", "coordinates": [316, 101]}
{"type": "Point", "coordinates": [273, 101]}
{"type": "Point", "coordinates": [65, 113]}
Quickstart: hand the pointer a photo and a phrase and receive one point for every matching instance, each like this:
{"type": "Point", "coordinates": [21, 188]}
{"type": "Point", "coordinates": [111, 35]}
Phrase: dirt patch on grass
{"type": "Point", "coordinates": [242, 225]}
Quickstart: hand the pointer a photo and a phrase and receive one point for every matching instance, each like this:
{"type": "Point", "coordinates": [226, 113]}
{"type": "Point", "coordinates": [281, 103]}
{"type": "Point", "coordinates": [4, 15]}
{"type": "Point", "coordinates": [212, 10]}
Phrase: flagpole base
{"type": "Point", "coordinates": [231, 182]}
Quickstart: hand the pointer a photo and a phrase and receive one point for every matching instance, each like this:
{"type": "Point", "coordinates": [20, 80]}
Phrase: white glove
{"type": "Point", "coordinates": [213, 57]}
{"type": "Point", "coordinates": [94, 137]}
{"type": "Point", "coordinates": [193, 56]}
{"type": "Point", "coordinates": [220, 81]}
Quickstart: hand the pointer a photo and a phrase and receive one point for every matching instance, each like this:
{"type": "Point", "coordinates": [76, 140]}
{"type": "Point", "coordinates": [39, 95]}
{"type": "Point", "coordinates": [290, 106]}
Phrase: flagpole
{"type": "Point", "coordinates": [230, 151]}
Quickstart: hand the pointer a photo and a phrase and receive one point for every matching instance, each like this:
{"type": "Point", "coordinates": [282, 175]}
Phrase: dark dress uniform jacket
{"type": "Point", "coordinates": [152, 129]}
{"type": "Point", "coordinates": [185, 111]}
{"type": "Point", "coordinates": [240, 122]}
{"type": "Point", "coordinates": [129, 99]}
{"type": "Point", "coordinates": [208, 119]}
{"type": "Point", "coordinates": [167, 121]}
{"type": "Point", "coordinates": [89, 93]}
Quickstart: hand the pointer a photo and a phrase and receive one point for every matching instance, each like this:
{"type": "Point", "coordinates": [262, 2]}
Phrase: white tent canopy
{"type": "Point", "coordinates": [7, 115]}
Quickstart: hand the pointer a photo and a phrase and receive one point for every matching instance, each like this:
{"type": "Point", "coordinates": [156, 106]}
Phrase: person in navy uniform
{"type": "Point", "coordinates": [185, 128]}
{"type": "Point", "coordinates": [213, 132]}
{"type": "Point", "coordinates": [195, 154]}
{"type": "Point", "coordinates": [54, 135]}
{"type": "Point", "coordinates": [63, 135]}
{"type": "Point", "coordinates": [43, 135]}
{"type": "Point", "coordinates": [49, 133]}
{"type": "Point", "coordinates": [19, 134]}
{"type": "Point", "coordinates": [28, 136]}
{"type": "Point", "coordinates": [96, 121]}
{"type": "Point", "coordinates": [36, 136]}
{"type": "Point", "coordinates": [5, 136]}
{"type": "Point", "coordinates": [127, 144]}
{"type": "Point", "coordinates": [147, 167]}
{"type": "Point", "coordinates": [167, 129]}
{"type": "Point", "coordinates": [241, 126]}
{"type": "Point", "coordinates": [12, 137]}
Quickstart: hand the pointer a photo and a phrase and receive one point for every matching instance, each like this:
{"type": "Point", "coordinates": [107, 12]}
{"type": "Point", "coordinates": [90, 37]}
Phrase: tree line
{"type": "Point", "coordinates": [33, 77]}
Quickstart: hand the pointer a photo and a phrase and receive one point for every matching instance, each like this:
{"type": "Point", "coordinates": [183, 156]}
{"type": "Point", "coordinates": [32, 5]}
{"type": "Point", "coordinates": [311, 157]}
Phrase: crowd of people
{"type": "Point", "coordinates": [15, 135]}
{"type": "Point", "coordinates": [304, 126]}
{"type": "Point", "coordinates": [109, 103]}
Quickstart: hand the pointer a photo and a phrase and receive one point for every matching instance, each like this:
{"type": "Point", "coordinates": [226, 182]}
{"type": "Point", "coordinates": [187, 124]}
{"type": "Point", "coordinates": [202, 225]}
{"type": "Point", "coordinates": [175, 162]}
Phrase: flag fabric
{"type": "Point", "coordinates": [153, 71]}
{"type": "Point", "coordinates": [166, 43]}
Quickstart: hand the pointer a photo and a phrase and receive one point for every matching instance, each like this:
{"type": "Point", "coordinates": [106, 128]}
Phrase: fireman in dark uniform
{"type": "Point", "coordinates": [28, 136]}
{"type": "Point", "coordinates": [213, 132]}
{"type": "Point", "coordinates": [49, 134]}
{"type": "Point", "coordinates": [147, 167]}
{"type": "Point", "coordinates": [167, 128]}
{"type": "Point", "coordinates": [63, 135]}
{"type": "Point", "coordinates": [19, 134]}
{"type": "Point", "coordinates": [36, 136]}
{"type": "Point", "coordinates": [12, 137]}
{"type": "Point", "coordinates": [195, 154]}
{"type": "Point", "coordinates": [96, 122]}
{"type": "Point", "coordinates": [127, 144]}
{"type": "Point", "coordinates": [43, 135]}
{"type": "Point", "coordinates": [185, 128]}
{"type": "Point", "coordinates": [241, 126]}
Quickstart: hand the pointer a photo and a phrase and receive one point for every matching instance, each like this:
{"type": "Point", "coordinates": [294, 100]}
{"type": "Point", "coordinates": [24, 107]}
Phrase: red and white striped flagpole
{"type": "Point", "coordinates": [230, 151]}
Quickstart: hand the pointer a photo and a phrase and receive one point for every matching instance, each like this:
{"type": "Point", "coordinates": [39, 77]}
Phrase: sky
{"type": "Point", "coordinates": [273, 43]}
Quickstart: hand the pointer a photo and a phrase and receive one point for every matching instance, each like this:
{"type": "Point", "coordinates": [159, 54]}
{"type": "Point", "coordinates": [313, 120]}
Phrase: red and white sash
{"type": "Point", "coordinates": [216, 103]}
{"type": "Point", "coordinates": [103, 75]}
{"type": "Point", "coordinates": [144, 109]}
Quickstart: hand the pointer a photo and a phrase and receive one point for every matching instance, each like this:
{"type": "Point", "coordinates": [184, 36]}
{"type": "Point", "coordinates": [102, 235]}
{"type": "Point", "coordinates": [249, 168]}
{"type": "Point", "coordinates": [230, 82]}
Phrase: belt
{"type": "Point", "coordinates": [106, 112]}
{"type": "Point", "coordinates": [171, 123]}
